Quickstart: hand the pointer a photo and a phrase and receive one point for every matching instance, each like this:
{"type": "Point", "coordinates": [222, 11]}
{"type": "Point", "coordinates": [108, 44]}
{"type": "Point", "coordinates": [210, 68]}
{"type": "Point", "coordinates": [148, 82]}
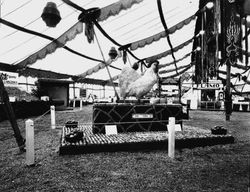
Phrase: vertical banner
{"type": "Point", "coordinates": [210, 42]}
{"type": "Point", "coordinates": [231, 32]}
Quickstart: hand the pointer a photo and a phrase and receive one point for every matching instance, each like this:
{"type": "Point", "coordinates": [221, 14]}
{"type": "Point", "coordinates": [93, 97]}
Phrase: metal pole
{"type": "Point", "coordinates": [202, 47]}
{"type": "Point", "coordinates": [228, 99]}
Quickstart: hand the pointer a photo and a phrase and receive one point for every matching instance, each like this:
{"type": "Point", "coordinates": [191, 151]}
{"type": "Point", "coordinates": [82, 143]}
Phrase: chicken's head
{"type": "Point", "coordinates": [155, 66]}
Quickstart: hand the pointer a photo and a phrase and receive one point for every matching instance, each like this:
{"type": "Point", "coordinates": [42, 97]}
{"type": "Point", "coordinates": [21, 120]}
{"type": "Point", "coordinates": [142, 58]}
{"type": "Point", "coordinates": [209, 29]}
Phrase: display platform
{"type": "Point", "coordinates": [128, 117]}
{"type": "Point", "coordinates": [190, 137]}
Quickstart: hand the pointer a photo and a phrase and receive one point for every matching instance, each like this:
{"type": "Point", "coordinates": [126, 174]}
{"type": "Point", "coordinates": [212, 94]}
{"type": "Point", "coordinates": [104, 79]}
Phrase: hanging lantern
{"type": "Point", "coordinates": [113, 53]}
{"type": "Point", "coordinates": [51, 15]}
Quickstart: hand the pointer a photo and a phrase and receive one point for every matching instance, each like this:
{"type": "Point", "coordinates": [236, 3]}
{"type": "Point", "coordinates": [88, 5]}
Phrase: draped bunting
{"type": "Point", "coordinates": [116, 8]}
{"type": "Point", "coordinates": [171, 70]}
{"type": "Point", "coordinates": [143, 42]}
{"type": "Point", "coordinates": [71, 33]}
{"type": "Point", "coordinates": [178, 60]}
{"type": "Point", "coordinates": [166, 53]}
{"type": "Point", "coordinates": [181, 72]}
{"type": "Point", "coordinates": [51, 47]}
{"type": "Point", "coordinates": [98, 67]}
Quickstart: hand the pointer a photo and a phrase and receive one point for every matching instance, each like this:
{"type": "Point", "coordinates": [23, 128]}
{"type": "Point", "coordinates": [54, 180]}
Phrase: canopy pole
{"type": "Point", "coordinates": [167, 32]}
{"type": "Point", "coordinates": [106, 66]}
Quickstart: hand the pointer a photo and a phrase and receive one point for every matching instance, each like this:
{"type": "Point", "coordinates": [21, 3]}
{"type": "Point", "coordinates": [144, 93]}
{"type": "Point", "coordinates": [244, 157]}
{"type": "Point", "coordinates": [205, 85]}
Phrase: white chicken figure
{"type": "Point", "coordinates": [127, 76]}
{"type": "Point", "coordinates": [145, 83]}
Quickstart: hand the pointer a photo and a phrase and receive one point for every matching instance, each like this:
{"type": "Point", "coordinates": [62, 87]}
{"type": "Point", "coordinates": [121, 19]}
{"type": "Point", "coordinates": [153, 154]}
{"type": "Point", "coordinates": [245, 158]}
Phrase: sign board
{"type": "Point", "coordinates": [212, 84]}
{"type": "Point", "coordinates": [110, 129]}
{"type": "Point", "coordinates": [142, 116]}
{"type": "Point", "coordinates": [9, 79]}
{"type": "Point", "coordinates": [177, 127]}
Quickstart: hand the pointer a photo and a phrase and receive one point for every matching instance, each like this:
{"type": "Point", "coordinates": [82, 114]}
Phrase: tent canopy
{"type": "Point", "coordinates": [135, 24]}
{"type": "Point", "coordinates": [139, 21]}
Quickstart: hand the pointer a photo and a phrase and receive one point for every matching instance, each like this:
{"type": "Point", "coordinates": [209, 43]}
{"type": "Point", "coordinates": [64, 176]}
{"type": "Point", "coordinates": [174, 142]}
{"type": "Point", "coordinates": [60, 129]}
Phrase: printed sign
{"type": "Point", "coordinates": [142, 116]}
{"type": "Point", "coordinates": [177, 127]}
{"type": "Point", "coordinates": [9, 79]}
{"type": "Point", "coordinates": [110, 129]}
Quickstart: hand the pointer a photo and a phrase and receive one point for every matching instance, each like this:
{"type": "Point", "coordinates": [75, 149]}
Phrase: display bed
{"type": "Point", "coordinates": [128, 117]}
{"type": "Point", "coordinates": [136, 141]}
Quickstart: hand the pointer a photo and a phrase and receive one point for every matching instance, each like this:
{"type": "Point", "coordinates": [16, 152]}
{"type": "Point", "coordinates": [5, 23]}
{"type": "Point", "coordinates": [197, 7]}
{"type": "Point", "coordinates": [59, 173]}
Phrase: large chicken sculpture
{"type": "Point", "coordinates": [127, 76]}
{"type": "Point", "coordinates": [133, 84]}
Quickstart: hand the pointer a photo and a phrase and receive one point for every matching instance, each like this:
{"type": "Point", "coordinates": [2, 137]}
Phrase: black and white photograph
{"type": "Point", "coordinates": [124, 96]}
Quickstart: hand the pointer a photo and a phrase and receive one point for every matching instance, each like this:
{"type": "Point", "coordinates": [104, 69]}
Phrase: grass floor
{"type": "Point", "coordinates": [224, 168]}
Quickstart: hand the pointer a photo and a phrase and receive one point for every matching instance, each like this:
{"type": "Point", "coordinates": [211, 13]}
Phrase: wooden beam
{"type": "Point", "coordinates": [10, 113]}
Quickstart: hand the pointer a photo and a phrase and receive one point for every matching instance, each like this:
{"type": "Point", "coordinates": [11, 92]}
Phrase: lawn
{"type": "Point", "coordinates": [217, 168]}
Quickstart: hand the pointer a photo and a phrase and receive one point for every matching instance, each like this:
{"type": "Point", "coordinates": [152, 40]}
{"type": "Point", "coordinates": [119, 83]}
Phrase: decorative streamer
{"type": "Point", "coordinates": [69, 34]}
{"type": "Point", "coordinates": [146, 41]}
{"type": "Point", "coordinates": [124, 56]}
{"type": "Point", "coordinates": [171, 70]}
{"type": "Point", "coordinates": [168, 52]}
{"type": "Point", "coordinates": [171, 63]}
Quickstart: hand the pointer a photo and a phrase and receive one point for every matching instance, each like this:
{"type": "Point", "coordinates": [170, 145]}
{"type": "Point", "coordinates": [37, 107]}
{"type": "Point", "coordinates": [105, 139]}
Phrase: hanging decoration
{"type": "Point", "coordinates": [98, 67]}
{"type": "Point", "coordinates": [87, 17]}
{"type": "Point", "coordinates": [124, 56]}
{"type": "Point", "coordinates": [172, 63]}
{"type": "Point", "coordinates": [72, 32]}
{"type": "Point", "coordinates": [51, 15]}
{"type": "Point", "coordinates": [51, 47]}
{"type": "Point", "coordinates": [181, 72]}
{"type": "Point", "coordinates": [147, 41]}
{"type": "Point", "coordinates": [231, 33]}
{"type": "Point", "coordinates": [168, 52]}
{"type": "Point", "coordinates": [171, 70]}
{"type": "Point", "coordinates": [113, 53]}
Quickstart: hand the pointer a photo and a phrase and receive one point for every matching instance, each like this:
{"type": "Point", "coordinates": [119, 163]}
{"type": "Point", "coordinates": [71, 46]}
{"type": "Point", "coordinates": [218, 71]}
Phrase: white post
{"type": "Point", "coordinates": [80, 104]}
{"type": "Point", "coordinates": [30, 151]}
{"type": "Point", "coordinates": [171, 137]}
{"type": "Point", "coordinates": [53, 117]}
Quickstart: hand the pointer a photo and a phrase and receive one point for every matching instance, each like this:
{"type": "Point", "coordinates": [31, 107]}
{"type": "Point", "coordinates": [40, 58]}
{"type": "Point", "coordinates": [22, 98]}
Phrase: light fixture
{"type": "Point", "coordinates": [202, 32]}
{"type": "Point", "coordinates": [113, 53]}
{"type": "Point", "coordinates": [209, 5]}
{"type": "Point", "coordinates": [198, 48]}
{"type": "Point", "coordinates": [51, 15]}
